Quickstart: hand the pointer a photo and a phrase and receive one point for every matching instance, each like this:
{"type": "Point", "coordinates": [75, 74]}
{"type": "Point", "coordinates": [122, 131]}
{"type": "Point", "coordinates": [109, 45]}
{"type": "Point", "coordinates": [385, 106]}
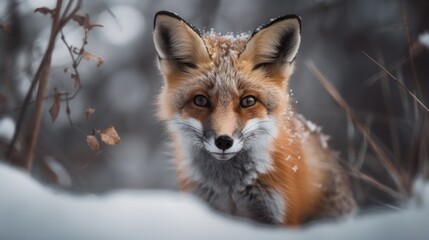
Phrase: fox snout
{"type": "Point", "coordinates": [250, 137]}
{"type": "Point", "coordinates": [223, 147]}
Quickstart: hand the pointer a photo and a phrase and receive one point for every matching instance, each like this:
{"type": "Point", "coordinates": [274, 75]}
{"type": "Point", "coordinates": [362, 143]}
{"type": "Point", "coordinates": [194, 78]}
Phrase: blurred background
{"type": "Point", "coordinates": [123, 90]}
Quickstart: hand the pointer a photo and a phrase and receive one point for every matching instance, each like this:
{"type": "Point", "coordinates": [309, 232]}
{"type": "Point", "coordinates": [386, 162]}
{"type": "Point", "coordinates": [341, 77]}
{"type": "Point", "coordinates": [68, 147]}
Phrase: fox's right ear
{"type": "Point", "coordinates": [179, 46]}
{"type": "Point", "coordinates": [273, 47]}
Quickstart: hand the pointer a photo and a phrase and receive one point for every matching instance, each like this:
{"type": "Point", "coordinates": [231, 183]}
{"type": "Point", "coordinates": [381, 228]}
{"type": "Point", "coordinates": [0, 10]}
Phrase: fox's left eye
{"type": "Point", "coordinates": [201, 101]}
{"type": "Point", "coordinates": [247, 101]}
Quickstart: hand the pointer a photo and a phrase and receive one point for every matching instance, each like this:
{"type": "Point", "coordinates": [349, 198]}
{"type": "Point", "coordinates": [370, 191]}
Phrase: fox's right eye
{"type": "Point", "coordinates": [201, 101]}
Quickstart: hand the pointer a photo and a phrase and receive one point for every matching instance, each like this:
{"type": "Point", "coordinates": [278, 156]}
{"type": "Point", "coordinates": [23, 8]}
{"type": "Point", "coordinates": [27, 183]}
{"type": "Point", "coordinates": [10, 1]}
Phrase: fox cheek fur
{"type": "Point", "coordinates": [237, 143]}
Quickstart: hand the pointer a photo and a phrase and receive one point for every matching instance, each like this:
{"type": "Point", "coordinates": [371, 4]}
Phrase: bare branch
{"type": "Point", "coordinates": [381, 154]}
{"type": "Point", "coordinates": [43, 84]}
{"type": "Point", "coordinates": [398, 82]}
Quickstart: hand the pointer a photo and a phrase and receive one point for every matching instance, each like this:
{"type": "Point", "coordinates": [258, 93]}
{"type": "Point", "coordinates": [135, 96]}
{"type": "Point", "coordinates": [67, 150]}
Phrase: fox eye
{"type": "Point", "coordinates": [247, 101]}
{"type": "Point", "coordinates": [201, 101]}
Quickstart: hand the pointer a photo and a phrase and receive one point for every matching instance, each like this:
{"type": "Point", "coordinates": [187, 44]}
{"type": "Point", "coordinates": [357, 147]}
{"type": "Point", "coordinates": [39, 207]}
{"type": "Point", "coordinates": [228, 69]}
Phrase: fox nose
{"type": "Point", "coordinates": [224, 142]}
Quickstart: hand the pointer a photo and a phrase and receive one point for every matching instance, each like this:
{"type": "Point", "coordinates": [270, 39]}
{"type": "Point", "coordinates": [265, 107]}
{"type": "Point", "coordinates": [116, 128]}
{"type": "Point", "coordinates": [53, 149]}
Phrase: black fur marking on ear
{"type": "Point", "coordinates": [173, 15]}
{"type": "Point", "coordinates": [285, 46]}
{"type": "Point", "coordinates": [279, 19]}
{"type": "Point", "coordinates": [165, 40]}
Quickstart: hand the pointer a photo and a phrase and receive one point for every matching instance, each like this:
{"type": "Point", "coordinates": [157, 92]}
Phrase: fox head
{"type": "Point", "coordinates": [224, 96]}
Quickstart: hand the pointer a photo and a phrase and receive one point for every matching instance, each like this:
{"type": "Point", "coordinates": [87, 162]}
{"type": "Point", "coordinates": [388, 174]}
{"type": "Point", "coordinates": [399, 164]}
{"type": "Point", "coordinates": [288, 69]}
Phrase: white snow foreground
{"type": "Point", "coordinates": [29, 210]}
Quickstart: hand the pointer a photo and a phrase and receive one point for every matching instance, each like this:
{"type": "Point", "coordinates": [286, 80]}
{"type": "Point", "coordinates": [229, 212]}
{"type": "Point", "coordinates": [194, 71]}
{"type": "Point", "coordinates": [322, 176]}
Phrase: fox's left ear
{"type": "Point", "coordinates": [274, 46]}
{"type": "Point", "coordinates": [178, 44]}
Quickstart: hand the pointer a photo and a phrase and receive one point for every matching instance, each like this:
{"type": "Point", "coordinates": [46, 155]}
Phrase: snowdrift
{"type": "Point", "coordinates": [29, 210]}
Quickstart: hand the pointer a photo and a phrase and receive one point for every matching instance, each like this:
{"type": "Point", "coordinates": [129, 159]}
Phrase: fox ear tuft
{"type": "Point", "coordinates": [177, 42]}
{"type": "Point", "coordinates": [275, 44]}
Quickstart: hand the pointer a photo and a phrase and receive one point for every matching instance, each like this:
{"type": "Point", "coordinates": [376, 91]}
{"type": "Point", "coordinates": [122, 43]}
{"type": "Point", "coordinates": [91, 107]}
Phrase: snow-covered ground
{"type": "Point", "coordinates": [29, 210]}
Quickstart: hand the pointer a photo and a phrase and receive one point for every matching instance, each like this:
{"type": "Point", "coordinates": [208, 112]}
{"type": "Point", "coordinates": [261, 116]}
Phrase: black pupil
{"type": "Point", "coordinates": [248, 101]}
{"type": "Point", "coordinates": [201, 101]}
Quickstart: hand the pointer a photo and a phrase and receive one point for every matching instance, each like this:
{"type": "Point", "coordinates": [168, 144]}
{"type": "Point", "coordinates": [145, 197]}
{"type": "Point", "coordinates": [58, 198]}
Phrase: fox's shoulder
{"type": "Point", "coordinates": [328, 175]}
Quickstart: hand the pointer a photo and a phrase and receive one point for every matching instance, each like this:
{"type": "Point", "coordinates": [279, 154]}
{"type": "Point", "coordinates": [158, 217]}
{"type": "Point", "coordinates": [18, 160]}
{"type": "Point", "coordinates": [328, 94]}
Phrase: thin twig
{"type": "Point", "coordinates": [26, 102]}
{"type": "Point", "coordinates": [41, 79]}
{"type": "Point", "coordinates": [410, 52]}
{"type": "Point", "coordinates": [89, 162]}
{"type": "Point", "coordinates": [22, 113]}
{"type": "Point", "coordinates": [68, 112]}
{"type": "Point", "coordinates": [381, 154]}
{"type": "Point", "coordinates": [43, 84]}
{"type": "Point", "coordinates": [393, 131]}
{"type": "Point", "coordinates": [67, 18]}
{"type": "Point", "coordinates": [398, 82]}
{"type": "Point", "coordinates": [356, 173]}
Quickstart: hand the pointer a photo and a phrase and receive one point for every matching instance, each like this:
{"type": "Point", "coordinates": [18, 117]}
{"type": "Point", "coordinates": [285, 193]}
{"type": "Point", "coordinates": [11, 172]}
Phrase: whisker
{"type": "Point", "coordinates": [192, 127]}
{"type": "Point", "coordinates": [256, 132]}
{"type": "Point", "coordinates": [253, 125]}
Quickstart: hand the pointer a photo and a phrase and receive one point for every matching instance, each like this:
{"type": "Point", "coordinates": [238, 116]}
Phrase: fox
{"type": "Point", "coordinates": [237, 141]}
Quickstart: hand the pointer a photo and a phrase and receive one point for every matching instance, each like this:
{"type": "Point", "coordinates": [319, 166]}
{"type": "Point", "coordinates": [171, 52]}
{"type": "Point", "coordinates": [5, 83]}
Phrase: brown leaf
{"type": "Point", "coordinates": [84, 21]}
{"type": "Point", "coordinates": [87, 23]}
{"type": "Point", "coordinates": [91, 57]}
{"type": "Point", "coordinates": [76, 79]}
{"type": "Point", "coordinates": [56, 104]}
{"type": "Point", "coordinates": [81, 20]}
{"type": "Point", "coordinates": [93, 143]}
{"type": "Point", "coordinates": [88, 113]}
{"type": "Point", "coordinates": [110, 136]}
{"type": "Point", "coordinates": [44, 10]}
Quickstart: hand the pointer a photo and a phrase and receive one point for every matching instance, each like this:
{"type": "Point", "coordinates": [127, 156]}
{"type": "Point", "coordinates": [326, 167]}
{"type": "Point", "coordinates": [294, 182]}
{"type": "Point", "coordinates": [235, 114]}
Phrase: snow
{"type": "Point", "coordinates": [7, 128]}
{"type": "Point", "coordinates": [311, 126]}
{"type": "Point", "coordinates": [424, 39]}
{"type": "Point", "coordinates": [30, 210]}
{"type": "Point", "coordinates": [324, 140]}
{"type": "Point", "coordinates": [62, 175]}
{"type": "Point", "coordinates": [295, 168]}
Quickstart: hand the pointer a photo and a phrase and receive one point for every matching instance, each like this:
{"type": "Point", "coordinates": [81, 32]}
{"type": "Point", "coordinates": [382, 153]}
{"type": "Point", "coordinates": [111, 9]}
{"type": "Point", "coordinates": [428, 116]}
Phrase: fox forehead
{"type": "Point", "coordinates": [223, 48]}
{"type": "Point", "coordinates": [226, 78]}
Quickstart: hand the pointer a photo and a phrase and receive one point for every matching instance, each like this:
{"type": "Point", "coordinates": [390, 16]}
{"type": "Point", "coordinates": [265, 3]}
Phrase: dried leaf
{"type": "Point", "coordinates": [88, 113]}
{"type": "Point", "coordinates": [66, 69]}
{"type": "Point", "coordinates": [110, 136]}
{"type": "Point", "coordinates": [44, 10]}
{"type": "Point", "coordinates": [91, 57]}
{"type": "Point", "coordinates": [56, 104]}
{"type": "Point", "coordinates": [84, 21]}
{"type": "Point", "coordinates": [93, 143]}
{"type": "Point", "coordinates": [81, 20]}
{"type": "Point", "coordinates": [76, 79]}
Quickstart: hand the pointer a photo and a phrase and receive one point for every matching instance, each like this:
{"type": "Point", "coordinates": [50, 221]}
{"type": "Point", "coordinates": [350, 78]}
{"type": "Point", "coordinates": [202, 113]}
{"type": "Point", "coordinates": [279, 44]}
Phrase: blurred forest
{"type": "Point", "coordinates": [337, 36]}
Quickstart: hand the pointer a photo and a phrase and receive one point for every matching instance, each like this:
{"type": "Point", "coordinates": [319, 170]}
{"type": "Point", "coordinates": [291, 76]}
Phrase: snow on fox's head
{"type": "Point", "coordinates": [223, 94]}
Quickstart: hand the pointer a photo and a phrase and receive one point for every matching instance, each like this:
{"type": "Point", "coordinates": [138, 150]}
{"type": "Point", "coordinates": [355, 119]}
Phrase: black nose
{"type": "Point", "coordinates": [224, 142]}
